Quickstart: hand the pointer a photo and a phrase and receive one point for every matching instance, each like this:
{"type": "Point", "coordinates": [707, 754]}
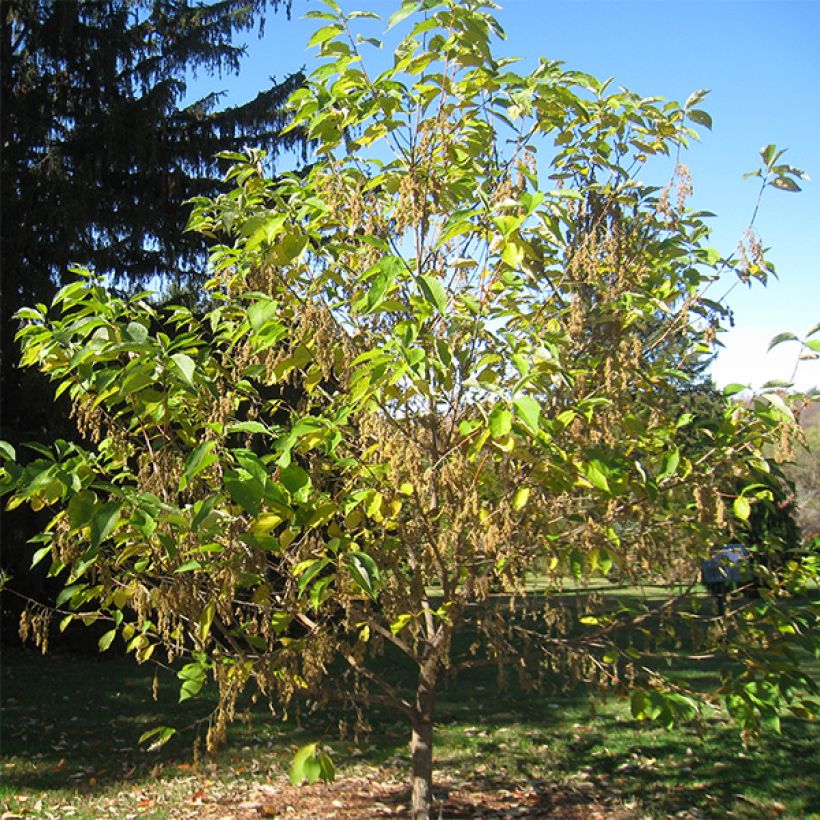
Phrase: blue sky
{"type": "Point", "coordinates": [761, 60]}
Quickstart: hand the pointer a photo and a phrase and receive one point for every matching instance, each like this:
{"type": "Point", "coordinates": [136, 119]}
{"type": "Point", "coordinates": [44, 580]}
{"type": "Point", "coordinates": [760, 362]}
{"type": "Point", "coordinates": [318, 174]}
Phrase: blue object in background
{"type": "Point", "coordinates": [728, 565]}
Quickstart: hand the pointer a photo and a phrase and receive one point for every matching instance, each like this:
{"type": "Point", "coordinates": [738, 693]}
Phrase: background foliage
{"type": "Point", "coordinates": [99, 154]}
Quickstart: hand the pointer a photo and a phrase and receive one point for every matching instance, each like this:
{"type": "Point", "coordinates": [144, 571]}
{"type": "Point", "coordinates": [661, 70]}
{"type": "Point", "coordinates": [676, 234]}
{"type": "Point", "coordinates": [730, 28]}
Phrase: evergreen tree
{"type": "Point", "coordinates": [100, 153]}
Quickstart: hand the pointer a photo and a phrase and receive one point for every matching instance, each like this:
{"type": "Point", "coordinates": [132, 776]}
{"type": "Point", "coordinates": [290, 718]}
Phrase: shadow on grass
{"type": "Point", "coordinates": [71, 724]}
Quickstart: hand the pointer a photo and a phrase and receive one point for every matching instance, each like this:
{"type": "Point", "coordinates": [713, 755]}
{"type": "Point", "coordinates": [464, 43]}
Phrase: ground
{"type": "Point", "coordinates": [367, 792]}
{"type": "Point", "coordinates": [69, 729]}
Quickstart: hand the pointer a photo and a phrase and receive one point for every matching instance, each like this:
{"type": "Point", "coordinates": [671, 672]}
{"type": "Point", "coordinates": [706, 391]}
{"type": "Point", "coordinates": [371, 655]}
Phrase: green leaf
{"type": "Point", "coordinates": [311, 764]}
{"type": "Point", "coordinates": [40, 554]}
{"type": "Point", "coordinates": [324, 34]}
{"type": "Point", "coordinates": [289, 248]}
{"type": "Point", "coordinates": [785, 184]}
{"type": "Point", "coordinates": [307, 570]}
{"type": "Point", "coordinates": [137, 331]}
{"type": "Point", "coordinates": [782, 337]}
{"type": "Point", "coordinates": [8, 452]}
{"type": "Point", "coordinates": [375, 296]}
{"type": "Point", "coordinates": [81, 509]}
{"type": "Point", "coordinates": [201, 458]}
{"type": "Point", "coordinates": [520, 498]}
{"type": "Point", "coordinates": [433, 292]}
{"type": "Point", "coordinates": [246, 492]}
{"type": "Point", "coordinates": [767, 154]}
{"type": "Point", "coordinates": [604, 560]}
{"type": "Point", "coordinates": [594, 472]}
{"type": "Point", "coordinates": [576, 562]}
{"type": "Point", "coordinates": [193, 677]}
{"type": "Point", "coordinates": [67, 593]}
{"type": "Point", "coordinates": [106, 639]}
{"type": "Point", "coordinates": [206, 618]}
{"type": "Point", "coordinates": [500, 421]}
{"type": "Point", "coordinates": [296, 481]}
{"type": "Point", "coordinates": [201, 510]}
{"type": "Point", "coordinates": [700, 117]}
{"type": "Point", "coordinates": [364, 571]}
{"type": "Point", "coordinates": [734, 388]}
{"type": "Point", "coordinates": [261, 312]}
{"type": "Point", "coordinates": [407, 8]}
{"type": "Point", "coordinates": [742, 508]}
{"type": "Point", "coordinates": [186, 366]}
{"type": "Point", "coordinates": [695, 97]}
{"type": "Point", "coordinates": [104, 521]}
{"type": "Point", "coordinates": [670, 465]}
{"type": "Point", "coordinates": [249, 427]}
{"type": "Point", "coordinates": [161, 735]}
{"type": "Point", "coordinates": [684, 419]}
{"type": "Point", "coordinates": [528, 410]}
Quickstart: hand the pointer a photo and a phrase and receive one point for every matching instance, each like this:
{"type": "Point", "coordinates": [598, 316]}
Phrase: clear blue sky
{"type": "Point", "coordinates": [761, 58]}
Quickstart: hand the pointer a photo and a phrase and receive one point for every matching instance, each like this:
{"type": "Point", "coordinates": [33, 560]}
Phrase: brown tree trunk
{"type": "Point", "coordinates": [421, 745]}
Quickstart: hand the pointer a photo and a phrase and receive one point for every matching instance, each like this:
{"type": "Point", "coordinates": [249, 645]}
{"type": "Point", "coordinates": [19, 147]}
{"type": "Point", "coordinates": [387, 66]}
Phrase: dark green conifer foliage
{"type": "Point", "coordinates": [98, 156]}
{"type": "Point", "coordinates": [100, 152]}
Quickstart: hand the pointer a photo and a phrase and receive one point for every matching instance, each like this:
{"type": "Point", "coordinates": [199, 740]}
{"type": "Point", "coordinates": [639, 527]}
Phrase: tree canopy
{"type": "Point", "coordinates": [443, 363]}
{"type": "Point", "coordinates": [99, 152]}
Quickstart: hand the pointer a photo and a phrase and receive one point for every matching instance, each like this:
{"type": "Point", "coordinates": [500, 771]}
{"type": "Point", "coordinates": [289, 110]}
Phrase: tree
{"type": "Point", "coordinates": [434, 365]}
{"type": "Point", "coordinates": [99, 155]}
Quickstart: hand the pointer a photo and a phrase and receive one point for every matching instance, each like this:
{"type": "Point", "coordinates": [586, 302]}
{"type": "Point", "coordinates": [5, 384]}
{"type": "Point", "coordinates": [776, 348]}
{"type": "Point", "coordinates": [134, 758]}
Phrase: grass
{"type": "Point", "coordinates": [70, 727]}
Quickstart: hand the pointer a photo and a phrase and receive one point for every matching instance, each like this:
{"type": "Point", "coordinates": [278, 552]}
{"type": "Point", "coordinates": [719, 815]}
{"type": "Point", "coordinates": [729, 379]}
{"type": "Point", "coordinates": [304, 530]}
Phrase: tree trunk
{"type": "Point", "coordinates": [421, 745]}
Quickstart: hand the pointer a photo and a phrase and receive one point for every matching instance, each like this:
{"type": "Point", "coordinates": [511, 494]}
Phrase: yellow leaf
{"type": "Point", "coordinates": [374, 507]}
{"type": "Point", "coordinates": [323, 514]}
{"type": "Point", "coordinates": [286, 538]}
{"type": "Point", "coordinates": [265, 523]}
{"type": "Point", "coordinates": [520, 498]}
{"type": "Point", "coordinates": [400, 623]}
{"type": "Point", "coordinates": [120, 597]}
{"type": "Point", "coordinates": [353, 519]}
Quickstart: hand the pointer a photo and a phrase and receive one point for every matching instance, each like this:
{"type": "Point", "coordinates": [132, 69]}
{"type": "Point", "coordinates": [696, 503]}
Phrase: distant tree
{"type": "Point", "coordinates": [434, 364]}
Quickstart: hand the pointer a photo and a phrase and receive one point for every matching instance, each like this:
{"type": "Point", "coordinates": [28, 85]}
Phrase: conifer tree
{"type": "Point", "coordinates": [100, 152]}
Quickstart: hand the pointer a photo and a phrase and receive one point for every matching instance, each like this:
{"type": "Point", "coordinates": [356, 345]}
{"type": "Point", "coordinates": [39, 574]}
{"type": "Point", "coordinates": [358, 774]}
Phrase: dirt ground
{"type": "Point", "coordinates": [375, 795]}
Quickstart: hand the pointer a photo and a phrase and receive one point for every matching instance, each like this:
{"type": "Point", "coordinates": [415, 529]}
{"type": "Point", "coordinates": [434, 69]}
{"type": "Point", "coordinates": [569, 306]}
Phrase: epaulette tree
{"type": "Point", "coordinates": [483, 316]}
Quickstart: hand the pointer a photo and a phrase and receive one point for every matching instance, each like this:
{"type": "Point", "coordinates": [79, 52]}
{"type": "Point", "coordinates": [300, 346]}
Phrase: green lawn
{"type": "Point", "coordinates": [70, 727]}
